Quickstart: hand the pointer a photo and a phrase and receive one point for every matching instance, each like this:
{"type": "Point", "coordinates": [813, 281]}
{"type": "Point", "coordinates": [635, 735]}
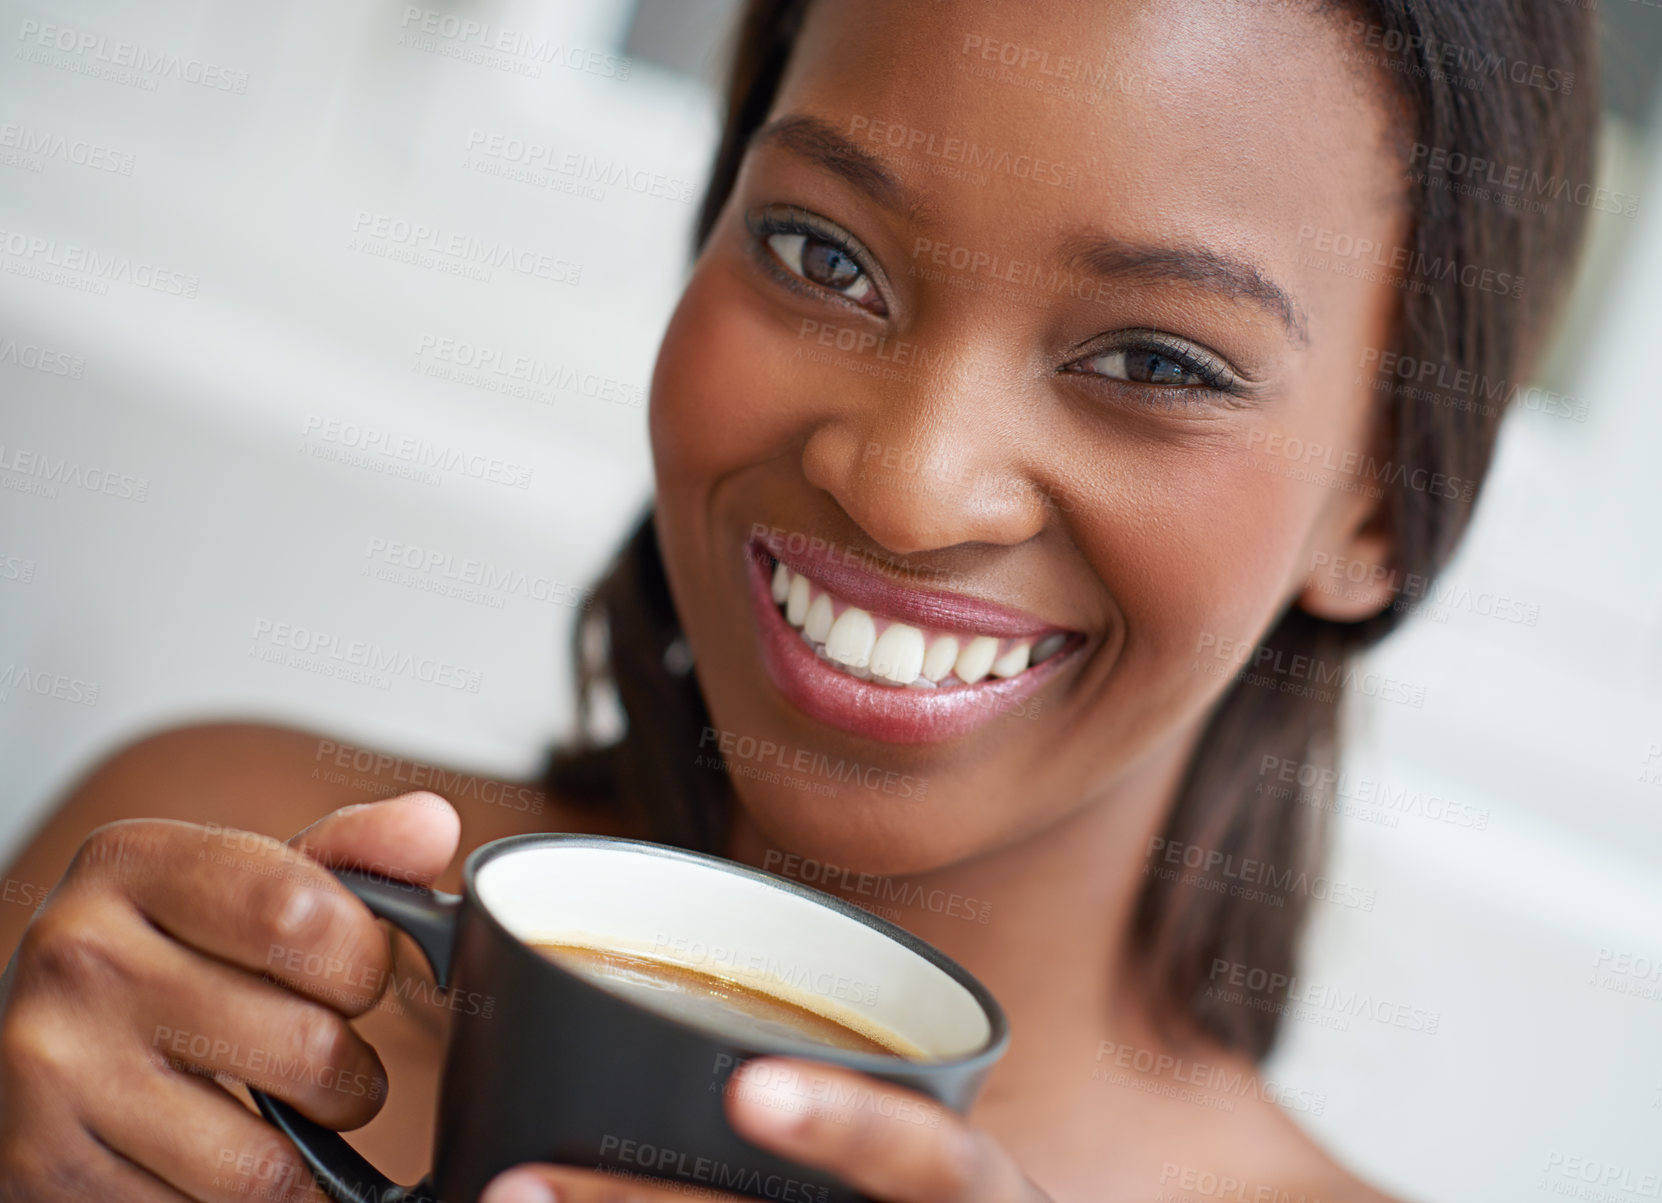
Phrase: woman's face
{"type": "Point", "coordinates": [1012, 342]}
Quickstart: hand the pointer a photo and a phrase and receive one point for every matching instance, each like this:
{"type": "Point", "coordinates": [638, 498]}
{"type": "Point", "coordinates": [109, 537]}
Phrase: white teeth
{"type": "Point", "coordinates": [796, 601]}
{"type": "Point", "coordinates": [974, 661]}
{"type": "Point", "coordinates": [1048, 646]}
{"type": "Point", "coordinates": [851, 638]}
{"type": "Point", "coordinates": [898, 655]}
{"type": "Point", "coordinates": [940, 658]}
{"type": "Point", "coordinates": [1013, 661]}
{"type": "Point", "coordinates": [818, 624]}
{"type": "Point", "coordinates": [903, 655]}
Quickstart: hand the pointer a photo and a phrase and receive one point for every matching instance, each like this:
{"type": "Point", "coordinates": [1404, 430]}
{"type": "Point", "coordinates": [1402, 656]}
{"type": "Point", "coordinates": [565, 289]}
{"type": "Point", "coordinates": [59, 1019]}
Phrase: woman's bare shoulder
{"type": "Point", "coordinates": [1321, 1178]}
{"type": "Point", "coordinates": [264, 777]}
{"type": "Point", "coordinates": [1255, 1145]}
{"type": "Point", "coordinates": [1344, 1187]}
{"type": "Point", "coordinates": [277, 780]}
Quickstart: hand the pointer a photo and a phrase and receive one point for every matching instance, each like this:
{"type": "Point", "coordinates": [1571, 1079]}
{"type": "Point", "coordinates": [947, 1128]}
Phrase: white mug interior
{"type": "Point", "coordinates": [733, 926]}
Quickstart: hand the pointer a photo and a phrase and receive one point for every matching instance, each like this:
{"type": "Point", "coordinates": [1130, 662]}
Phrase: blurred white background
{"type": "Point", "coordinates": [278, 190]}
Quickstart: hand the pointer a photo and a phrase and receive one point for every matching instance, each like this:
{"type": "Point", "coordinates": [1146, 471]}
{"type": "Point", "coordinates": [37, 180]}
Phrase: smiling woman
{"type": "Point", "coordinates": [1083, 437]}
{"type": "Point", "coordinates": [1027, 481]}
{"type": "Point", "coordinates": [1118, 383]}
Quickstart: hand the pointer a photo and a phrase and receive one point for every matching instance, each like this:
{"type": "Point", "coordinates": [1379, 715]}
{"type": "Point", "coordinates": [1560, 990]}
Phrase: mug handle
{"type": "Point", "coordinates": [429, 918]}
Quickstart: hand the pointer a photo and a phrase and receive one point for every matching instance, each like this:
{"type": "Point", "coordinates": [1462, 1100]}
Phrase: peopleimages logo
{"type": "Point", "coordinates": [721, 1175]}
{"type": "Point", "coordinates": [1440, 163]}
{"type": "Point", "coordinates": [808, 763]}
{"type": "Point", "coordinates": [453, 251]}
{"type": "Point", "coordinates": [1464, 65]}
{"type": "Point", "coordinates": [1352, 463]}
{"type": "Point", "coordinates": [1460, 388]}
{"type": "Point", "coordinates": [465, 571]}
{"type": "Point", "coordinates": [494, 370]}
{"type": "Point", "coordinates": [1251, 880]}
{"type": "Point", "coordinates": [259, 1063]}
{"type": "Point", "coordinates": [1326, 785]}
{"type": "Point", "coordinates": [43, 145]}
{"type": "Point", "coordinates": [354, 659]}
{"type": "Point", "coordinates": [1296, 670]}
{"type": "Point", "coordinates": [1411, 263]}
{"type": "Point", "coordinates": [420, 453]}
{"type": "Point", "coordinates": [1260, 989]}
{"type": "Point", "coordinates": [34, 251]}
{"type": "Point", "coordinates": [24, 470]}
{"type": "Point", "coordinates": [467, 39]}
{"type": "Point", "coordinates": [106, 53]}
{"type": "Point", "coordinates": [600, 170]}
{"type": "Point", "coordinates": [1215, 1086]}
{"type": "Point", "coordinates": [334, 760]}
{"type": "Point", "coordinates": [1599, 1180]}
{"type": "Point", "coordinates": [38, 358]}
{"type": "Point", "coordinates": [47, 684]}
{"type": "Point", "coordinates": [1624, 972]}
{"type": "Point", "coordinates": [749, 965]}
{"type": "Point", "coordinates": [949, 148]}
{"type": "Point", "coordinates": [876, 886]}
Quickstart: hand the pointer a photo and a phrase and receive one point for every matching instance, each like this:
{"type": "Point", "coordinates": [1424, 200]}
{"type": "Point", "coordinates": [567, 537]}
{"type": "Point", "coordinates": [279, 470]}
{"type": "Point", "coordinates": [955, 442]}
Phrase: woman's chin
{"type": "Point", "coordinates": [829, 839]}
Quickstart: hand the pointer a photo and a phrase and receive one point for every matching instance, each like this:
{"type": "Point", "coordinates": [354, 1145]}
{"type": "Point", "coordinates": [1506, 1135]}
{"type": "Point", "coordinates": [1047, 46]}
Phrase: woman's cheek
{"type": "Point", "coordinates": [724, 383]}
{"type": "Point", "coordinates": [1204, 571]}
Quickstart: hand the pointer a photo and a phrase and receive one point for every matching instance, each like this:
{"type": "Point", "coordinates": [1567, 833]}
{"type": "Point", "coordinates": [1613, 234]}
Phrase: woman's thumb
{"type": "Point", "coordinates": [409, 838]}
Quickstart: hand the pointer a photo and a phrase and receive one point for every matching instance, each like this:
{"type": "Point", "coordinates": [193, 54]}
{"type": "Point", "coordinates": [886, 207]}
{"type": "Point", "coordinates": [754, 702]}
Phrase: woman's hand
{"type": "Point", "coordinates": [888, 1143]}
{"type": "Point", "coordinates": [171, 952]}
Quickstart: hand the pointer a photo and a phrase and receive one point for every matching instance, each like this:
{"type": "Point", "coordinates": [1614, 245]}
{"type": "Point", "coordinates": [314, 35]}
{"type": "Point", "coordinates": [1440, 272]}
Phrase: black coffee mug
{"type": "Point", "coordinates": [544, 1065]}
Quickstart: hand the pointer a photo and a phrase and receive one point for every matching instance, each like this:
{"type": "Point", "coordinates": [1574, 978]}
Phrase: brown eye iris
{"type": "Point", "coordinates": [1150, 367]}
{"type": "Point", "coordinates": [1154, 365]}
{"type": "Point", "coordinates": [828, 265]}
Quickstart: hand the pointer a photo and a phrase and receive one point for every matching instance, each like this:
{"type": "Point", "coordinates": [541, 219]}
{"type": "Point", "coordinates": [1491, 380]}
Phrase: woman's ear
{"type": "Point", "coordinates": [1353, 579]}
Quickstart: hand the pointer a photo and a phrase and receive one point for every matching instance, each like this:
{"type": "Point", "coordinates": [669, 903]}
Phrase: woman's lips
{"type": "Point", "coordinates": [874, 647]}
{"type": "Point", "coordinates": [921, 607]}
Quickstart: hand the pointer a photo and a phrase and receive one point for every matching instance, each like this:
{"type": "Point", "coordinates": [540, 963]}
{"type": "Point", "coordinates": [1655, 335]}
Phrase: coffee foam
{"type": "Point", "coordinates": [833, 1009]}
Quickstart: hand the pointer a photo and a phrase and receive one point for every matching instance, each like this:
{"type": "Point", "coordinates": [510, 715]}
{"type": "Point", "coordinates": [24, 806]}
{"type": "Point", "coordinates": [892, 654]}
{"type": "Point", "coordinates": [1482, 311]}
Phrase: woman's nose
{"type": "Point", "coordinates": [931, 462]}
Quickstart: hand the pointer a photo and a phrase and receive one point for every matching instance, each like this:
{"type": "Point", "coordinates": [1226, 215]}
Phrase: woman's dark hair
{"type": "Point", "coordinates": [1505, 83]}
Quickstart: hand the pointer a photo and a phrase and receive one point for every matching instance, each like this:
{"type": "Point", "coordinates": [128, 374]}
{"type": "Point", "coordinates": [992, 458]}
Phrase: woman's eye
{"type": "Point", "coordinates": [1142, 366]}
{"type": "Point", "coordinates": [823, 263]}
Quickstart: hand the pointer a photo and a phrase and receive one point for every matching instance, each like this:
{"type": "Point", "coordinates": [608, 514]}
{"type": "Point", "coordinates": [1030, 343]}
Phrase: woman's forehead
{"type": "Point", "coordinates": [1201, 108]}
{"type": "Point", "coordinates": [1211, 130]}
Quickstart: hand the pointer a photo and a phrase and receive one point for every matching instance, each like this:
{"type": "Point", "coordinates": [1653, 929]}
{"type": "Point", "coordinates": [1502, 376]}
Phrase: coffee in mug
{"type": "Point", "coordinates": [757, 1006]}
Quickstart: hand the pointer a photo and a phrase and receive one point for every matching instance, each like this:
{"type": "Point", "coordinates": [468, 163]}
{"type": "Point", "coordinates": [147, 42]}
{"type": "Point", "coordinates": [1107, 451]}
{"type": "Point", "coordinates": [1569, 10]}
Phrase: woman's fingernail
{"type": "Point", "coordinates": [297, 913]}
{"type": "Point", "coordinates": [518, 1186]}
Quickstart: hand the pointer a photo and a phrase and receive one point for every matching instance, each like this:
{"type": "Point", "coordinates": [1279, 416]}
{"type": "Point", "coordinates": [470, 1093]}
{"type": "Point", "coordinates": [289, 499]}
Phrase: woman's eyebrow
{"type": "Point", "coordinates": [820, 142]}
{"type": "Point", "coordinates": [1104, 255]}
